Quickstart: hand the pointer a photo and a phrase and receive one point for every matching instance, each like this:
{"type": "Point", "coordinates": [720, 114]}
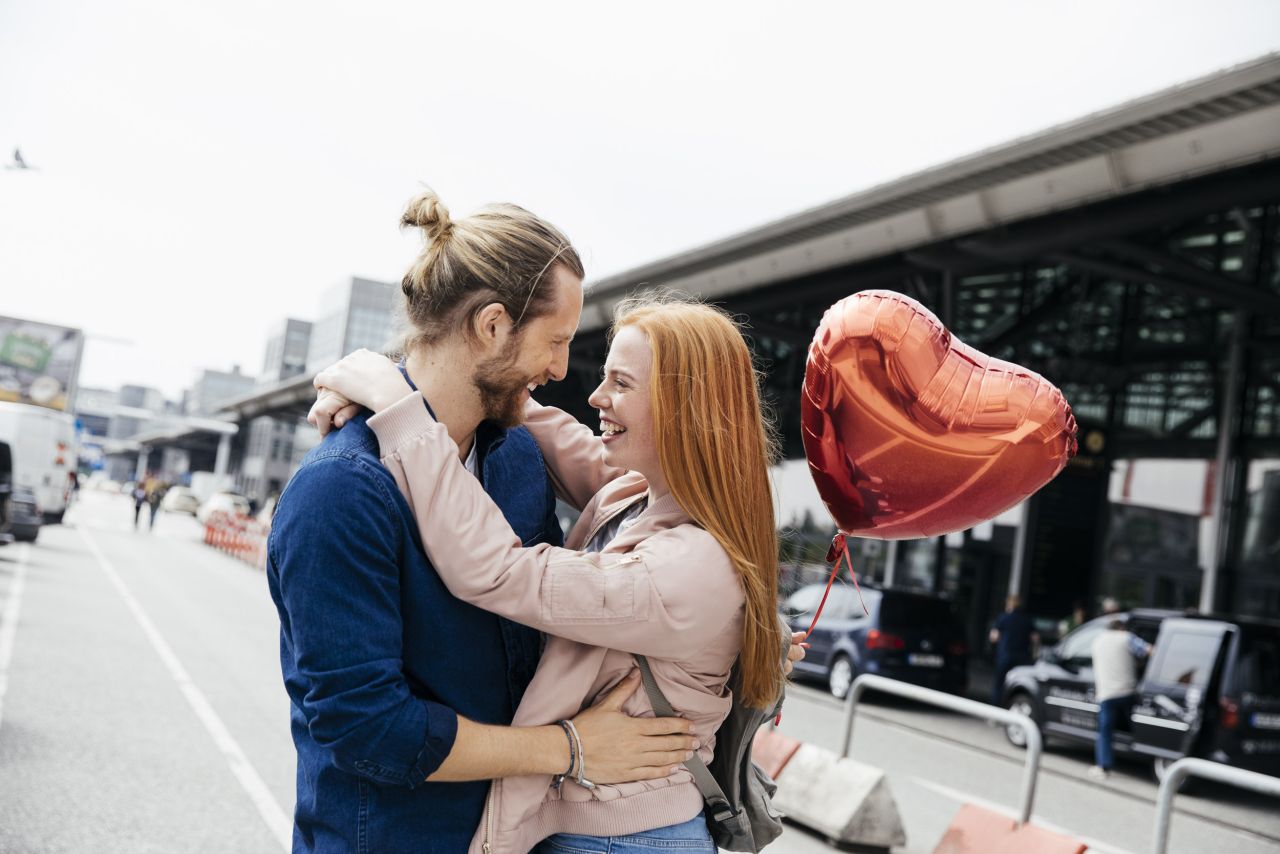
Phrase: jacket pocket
{"type": "Point", "coordinates": [581, 592]}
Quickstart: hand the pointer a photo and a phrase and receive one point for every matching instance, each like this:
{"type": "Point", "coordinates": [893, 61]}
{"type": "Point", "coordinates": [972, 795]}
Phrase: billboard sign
{"type": "Point", "coordinates": [39, 363]}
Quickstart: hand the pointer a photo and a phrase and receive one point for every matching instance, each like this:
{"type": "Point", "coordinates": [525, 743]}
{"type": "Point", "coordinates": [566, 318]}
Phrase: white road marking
{"type": "Point", "coordinates": [280, 824]}
{"type": "Point", "coordinates": [9, 620]}
{"type": "Point", "coordinates": [965, 798]}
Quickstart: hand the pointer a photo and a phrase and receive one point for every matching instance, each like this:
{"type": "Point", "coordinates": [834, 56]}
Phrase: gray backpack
{"type": "Point", "coordinates": [737, 792]}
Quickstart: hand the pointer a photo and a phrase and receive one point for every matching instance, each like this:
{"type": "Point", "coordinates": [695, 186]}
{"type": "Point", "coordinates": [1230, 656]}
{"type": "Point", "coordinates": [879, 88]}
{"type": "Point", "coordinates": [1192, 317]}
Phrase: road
{"type": "Point", "coordinates": [141, 710]}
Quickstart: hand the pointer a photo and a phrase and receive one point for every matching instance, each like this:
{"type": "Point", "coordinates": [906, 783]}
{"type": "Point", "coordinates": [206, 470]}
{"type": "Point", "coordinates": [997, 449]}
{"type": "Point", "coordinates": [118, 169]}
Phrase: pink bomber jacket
{"type": "Point", "coordinates": [664, 588]}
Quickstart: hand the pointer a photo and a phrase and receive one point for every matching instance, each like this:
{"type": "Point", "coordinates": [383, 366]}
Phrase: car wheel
{"type": "Point", "coordinates": [840, 677]}
{"type": "Point", "coordinates": [1022, 704]}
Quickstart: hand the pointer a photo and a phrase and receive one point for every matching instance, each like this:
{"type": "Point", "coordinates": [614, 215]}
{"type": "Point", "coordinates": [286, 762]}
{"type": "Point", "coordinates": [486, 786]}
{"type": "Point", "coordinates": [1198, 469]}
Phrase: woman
{"type": "Point", "coordinates": [674, 557]}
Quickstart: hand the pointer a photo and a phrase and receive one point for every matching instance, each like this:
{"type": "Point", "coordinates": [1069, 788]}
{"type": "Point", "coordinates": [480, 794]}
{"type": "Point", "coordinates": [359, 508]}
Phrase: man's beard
{"type": "Point", "coordinates": [501, 386]}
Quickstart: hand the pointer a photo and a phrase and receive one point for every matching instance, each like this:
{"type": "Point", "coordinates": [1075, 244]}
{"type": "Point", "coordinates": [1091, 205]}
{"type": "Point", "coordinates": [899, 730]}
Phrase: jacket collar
{"type": "Point", "coordinates": [489, 436]}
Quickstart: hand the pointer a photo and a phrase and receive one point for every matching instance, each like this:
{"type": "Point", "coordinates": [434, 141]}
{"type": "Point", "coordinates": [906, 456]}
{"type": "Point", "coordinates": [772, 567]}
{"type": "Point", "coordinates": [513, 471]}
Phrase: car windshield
{"type": "Point", "coordinates": [1077, 647]}
{"type": "Point", "coordinates": [805, 600]}
{"type": "Point", "coordinates": [916, 611]}
{"type": "Point", "coordinates": [1258, 667]}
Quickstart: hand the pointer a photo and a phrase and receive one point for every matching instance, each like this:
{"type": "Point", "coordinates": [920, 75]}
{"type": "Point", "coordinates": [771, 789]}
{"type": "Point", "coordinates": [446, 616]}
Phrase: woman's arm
{"type": "Point", "coordinates": [574, 454]}
{"type": "Point", "coordinates": [667, 598]}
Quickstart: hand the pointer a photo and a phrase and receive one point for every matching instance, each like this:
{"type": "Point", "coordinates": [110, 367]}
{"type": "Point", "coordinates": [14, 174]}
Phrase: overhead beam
{"type": "Point", "coordinates": [1188, 425]}
{"type": "Point", "coordinates": [1211, 282]}
{"type": "Point", "coordinates": [1123, 216]}
{"type": "Point", "coordinates": [1014, 328]}
{"type": "Point", "coordinates": [1126, 273]}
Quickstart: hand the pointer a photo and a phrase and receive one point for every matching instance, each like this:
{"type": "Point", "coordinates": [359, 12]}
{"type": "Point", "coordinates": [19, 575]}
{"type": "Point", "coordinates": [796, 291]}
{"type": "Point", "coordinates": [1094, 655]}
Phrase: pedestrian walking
{"type": "Point", "coordinates": [1073, 622]}
{"type": "Point", "coordinates": [139, 498]}
{"type": "Point", "coordinates": [1116, 653]}
{"type": "Point", "coordinates": [1013, 634]}
{"type": "Point", "coordinates": [155, 491]}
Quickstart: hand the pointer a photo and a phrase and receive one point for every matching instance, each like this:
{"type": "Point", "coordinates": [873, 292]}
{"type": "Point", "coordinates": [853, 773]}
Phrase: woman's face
{"type": "Point", "coordinates": [626, 407]}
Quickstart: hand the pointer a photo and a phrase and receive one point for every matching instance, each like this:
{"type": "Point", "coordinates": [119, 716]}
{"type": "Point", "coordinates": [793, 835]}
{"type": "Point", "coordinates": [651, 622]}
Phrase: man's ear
{"type": "Point", "coordinates": [491, 326]}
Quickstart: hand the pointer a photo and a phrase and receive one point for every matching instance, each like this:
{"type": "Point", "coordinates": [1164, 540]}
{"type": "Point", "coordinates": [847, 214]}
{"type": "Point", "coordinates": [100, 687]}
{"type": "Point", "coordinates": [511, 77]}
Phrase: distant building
{"type": "Point", "coordinates": [94, 408]}
{"type": "Point", "coordinates": [355, 314]}
{"type": "Point", "coordinates": [268, 456]}
{"type": "Point", "coordinates": [286, 352]}
{"type": "Point", "coordinates": [215, 388]}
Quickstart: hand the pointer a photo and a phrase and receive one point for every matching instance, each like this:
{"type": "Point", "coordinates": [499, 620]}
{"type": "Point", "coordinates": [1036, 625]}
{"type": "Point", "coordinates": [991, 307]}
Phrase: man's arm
{"type": "Point", "coordinates": [616, 747]}
{"type": "Point", "coordinates": [335, 563]}
{"type": "Point", "coordinates": [1138, 648]}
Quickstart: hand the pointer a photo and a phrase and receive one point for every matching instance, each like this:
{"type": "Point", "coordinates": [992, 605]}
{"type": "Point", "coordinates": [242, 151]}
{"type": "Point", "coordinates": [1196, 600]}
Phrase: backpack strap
{"type": "Point", "coordinates": [707, 785]}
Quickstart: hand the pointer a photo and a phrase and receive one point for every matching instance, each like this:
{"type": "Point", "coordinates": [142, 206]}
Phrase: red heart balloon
{"type": "Point", "coordinates": [911, 433]}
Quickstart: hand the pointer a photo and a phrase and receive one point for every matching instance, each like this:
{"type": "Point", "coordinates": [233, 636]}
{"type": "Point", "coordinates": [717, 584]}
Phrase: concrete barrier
{"type": "Point", "coordinates": [975, 830]}
{"type": "Point", "coordinates": [772, 750]}
{"type": "Point", "coordinates": [845, 800]}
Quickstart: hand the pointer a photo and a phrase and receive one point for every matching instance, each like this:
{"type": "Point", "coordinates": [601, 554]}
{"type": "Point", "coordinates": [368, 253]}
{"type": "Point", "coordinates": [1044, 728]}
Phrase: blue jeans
{"type": "Point", "coordinates": [1110, 712]}
{"type": "Point", "coordinates": [692, 835]}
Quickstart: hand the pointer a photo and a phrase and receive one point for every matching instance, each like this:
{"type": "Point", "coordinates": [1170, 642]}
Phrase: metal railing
{"type": "Point", "coordinates": [1190, 767]}
{"type": "Point", "coordinates": [971, 708]}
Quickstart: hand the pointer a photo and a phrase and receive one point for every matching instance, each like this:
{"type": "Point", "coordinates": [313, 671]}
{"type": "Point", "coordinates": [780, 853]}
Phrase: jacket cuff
{"type": "Point", "coordinates": [402, 422]}
{"type": "Point", "coordinates": [442, 731]}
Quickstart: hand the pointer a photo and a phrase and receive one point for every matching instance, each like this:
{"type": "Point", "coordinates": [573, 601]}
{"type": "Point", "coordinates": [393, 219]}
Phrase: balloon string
{"type": "Point", "coordinates": [840, 552]}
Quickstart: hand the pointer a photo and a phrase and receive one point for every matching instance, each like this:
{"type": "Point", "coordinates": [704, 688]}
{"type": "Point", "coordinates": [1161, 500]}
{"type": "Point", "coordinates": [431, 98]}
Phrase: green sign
{"type": "Point", "coordinates": [22, 351]}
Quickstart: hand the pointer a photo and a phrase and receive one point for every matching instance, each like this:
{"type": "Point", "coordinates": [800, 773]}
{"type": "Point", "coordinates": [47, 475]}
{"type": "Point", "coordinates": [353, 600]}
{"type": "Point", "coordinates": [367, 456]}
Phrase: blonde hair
{"type": "Point", "coordinates": [715, 446]}
{"type": "Point", "coordinates": [501, 253]}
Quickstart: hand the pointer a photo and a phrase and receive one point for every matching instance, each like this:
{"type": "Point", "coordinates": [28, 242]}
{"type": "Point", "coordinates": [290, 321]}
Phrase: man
{"type": "Point", "coordinates": [400, 693]}
{"type": "Point", "coordinates": [1116, 653]}
{"type": "Point", "coordinates": [1013, 634]}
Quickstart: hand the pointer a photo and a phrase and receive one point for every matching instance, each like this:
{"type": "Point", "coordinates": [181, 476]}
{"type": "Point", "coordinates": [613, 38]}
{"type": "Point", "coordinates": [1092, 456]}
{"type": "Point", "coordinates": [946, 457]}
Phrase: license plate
{"type": "Point", "coordinates": [1265, 721]}
{"type": "Point", "coordinates": [920, 660]}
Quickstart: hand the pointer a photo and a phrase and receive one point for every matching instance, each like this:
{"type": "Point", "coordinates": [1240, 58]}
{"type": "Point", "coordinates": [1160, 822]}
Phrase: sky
{"type": "Point", "coordinates": [206, 169]}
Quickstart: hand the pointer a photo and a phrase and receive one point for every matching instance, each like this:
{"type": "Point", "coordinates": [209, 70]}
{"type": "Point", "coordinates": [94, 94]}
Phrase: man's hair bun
{"type": "Point", "coordinates": [427, 212]}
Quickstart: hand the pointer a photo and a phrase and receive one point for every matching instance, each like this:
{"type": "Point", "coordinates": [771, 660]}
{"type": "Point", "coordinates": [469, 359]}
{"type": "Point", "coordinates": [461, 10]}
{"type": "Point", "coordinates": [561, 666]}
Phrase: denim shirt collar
{"type": "Point", "coordinates": [489, 436]}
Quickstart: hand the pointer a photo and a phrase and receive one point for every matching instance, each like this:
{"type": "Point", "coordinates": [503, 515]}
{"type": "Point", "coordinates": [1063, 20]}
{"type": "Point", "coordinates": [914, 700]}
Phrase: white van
{"type": "Point", "coordinates": [43, 442]}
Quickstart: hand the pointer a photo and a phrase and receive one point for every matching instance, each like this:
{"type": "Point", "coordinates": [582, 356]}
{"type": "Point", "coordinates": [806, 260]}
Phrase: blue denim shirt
{"type": "Point", "coordinates": [378, 657]}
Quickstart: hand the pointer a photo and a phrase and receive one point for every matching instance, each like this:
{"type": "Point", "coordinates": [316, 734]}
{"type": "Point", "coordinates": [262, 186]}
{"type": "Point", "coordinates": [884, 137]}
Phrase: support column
{"type": "Point", "coordinates": [223, 460]}
{"type": "Point", "coordinates": [890, 562]}
{"type": "Point", "coordinates": [1018, 561]}
{"type": "Point", "coordinates": [1227, 460]}
{"type": "Point", "coordinates": [140, 470]}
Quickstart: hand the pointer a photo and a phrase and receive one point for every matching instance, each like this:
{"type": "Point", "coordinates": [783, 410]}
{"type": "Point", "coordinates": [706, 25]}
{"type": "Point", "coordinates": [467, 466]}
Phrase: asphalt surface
{"type": "Point", "coordinates": [141, 710]}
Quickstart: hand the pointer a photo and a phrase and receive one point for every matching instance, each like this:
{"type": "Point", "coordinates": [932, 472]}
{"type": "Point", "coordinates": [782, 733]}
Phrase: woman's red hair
{"type": "Point", "coordinates": [715, 446]}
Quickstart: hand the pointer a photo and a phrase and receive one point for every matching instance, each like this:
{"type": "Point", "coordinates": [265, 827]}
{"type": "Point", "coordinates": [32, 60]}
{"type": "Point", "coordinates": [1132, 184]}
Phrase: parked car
{"type": "Point", "coordinates": [6, 493]}
{"type": "Point", "coordinates": [1210, 688]}
{"type": "Point", "coordinates": [914, 637]}
{"type": "Point", "coordinates": [25, 517]}
{"type": "Point", "coordinates": [180, 499]}
{"type": "Point", "coordinates": [226, 502]}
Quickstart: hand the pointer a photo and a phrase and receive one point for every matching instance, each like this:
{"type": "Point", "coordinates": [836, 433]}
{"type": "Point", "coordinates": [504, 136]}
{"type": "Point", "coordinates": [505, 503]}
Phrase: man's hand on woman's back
{"type": "Point", "coordinates": [619, 748]}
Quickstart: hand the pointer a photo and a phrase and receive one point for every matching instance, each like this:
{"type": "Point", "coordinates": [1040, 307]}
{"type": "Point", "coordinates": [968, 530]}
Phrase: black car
{"type": "Point", "coordinates": [6, 494]}
{"type": "Point", "coordinates": [1210, 688]}
{"type": "Point", "coordinates": [25, 517]}
{"type": "Point", "coordinates": [914, 637]}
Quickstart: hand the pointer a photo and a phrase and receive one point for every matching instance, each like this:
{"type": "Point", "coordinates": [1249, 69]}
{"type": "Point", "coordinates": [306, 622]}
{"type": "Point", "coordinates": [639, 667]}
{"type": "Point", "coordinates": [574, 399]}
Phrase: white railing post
{"type": "Point", "coordinates": [972, 708]}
